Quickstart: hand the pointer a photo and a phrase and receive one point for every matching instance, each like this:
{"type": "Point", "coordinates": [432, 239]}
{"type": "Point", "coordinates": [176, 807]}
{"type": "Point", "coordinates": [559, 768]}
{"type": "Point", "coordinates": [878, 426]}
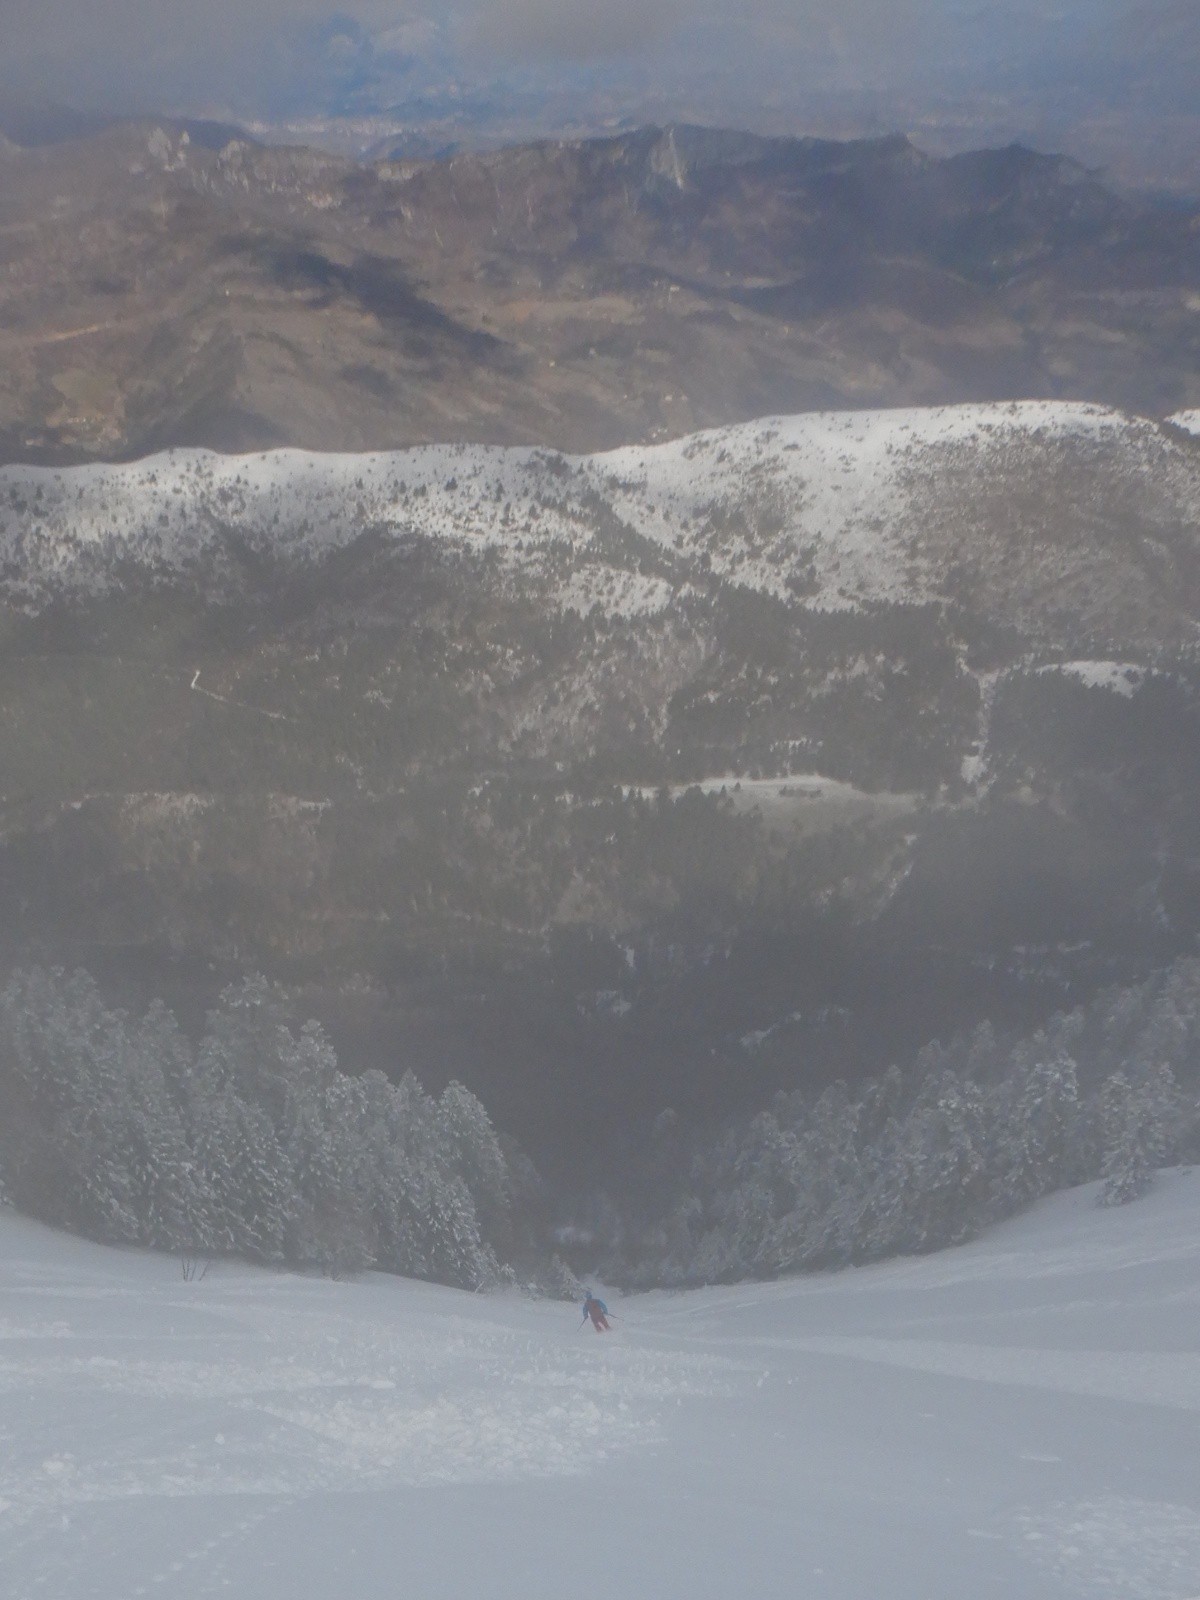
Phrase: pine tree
{"type": "Point", "coordinates": [473, 1151]}
{"type": "Point", "coordinates": [935, 1184]}
{"type": "Point", "coordinates": [823, 1169]}
{"type": "Point", "coordinates": [1137, 1119]}
{"type": "Point", "coordinates": [65, 1054]}
{"type": "Point", "coordinates": [248, 1044]}
{"type": "Point", "coordinates": [1035, 1122]}
{"type": "Point", "coordinates": [262, 1191]}
{"type": "Point", "coordinates": [332, 1226]}
{"type": "Point", "coordinates": [168, 1202]}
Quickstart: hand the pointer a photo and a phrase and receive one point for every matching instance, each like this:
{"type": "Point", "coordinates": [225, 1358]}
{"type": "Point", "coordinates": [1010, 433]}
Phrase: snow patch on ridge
{"type": "Point", "coordinates": [1120, 677]}
{"type": "Point", "coordinates": [617, 594]}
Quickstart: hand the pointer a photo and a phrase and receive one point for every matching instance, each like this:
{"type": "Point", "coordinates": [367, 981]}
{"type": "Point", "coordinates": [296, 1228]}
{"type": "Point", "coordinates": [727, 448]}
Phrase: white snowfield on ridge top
{"type": "Point", "coordinates": [1018, 1417]}
{"type": "Point", "coordinates": [846, 503]}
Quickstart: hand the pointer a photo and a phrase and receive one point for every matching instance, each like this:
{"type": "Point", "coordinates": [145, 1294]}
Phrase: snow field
{"type": "Point", "coordinates": [312, 1386]}
{"type": "Point", "coordinates": [1017, 1417]}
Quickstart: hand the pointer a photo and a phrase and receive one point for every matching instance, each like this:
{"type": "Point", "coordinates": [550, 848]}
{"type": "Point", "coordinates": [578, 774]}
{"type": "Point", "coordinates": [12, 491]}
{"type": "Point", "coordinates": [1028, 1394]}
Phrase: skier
{"type": "Point", "coordinates": [597, 1310]}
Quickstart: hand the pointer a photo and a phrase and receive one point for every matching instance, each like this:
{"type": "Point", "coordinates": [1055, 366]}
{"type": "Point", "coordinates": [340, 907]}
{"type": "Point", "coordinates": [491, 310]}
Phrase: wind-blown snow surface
{"type": "Point", "coordinates": [1019, 1417]}
{"type": "Point", "coordinates": [852, 507]}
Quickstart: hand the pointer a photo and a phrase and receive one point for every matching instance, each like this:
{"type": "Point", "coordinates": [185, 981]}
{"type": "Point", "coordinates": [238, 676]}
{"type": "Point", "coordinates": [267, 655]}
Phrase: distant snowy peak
{"type": "Point", "coordinates": [1010, 508]}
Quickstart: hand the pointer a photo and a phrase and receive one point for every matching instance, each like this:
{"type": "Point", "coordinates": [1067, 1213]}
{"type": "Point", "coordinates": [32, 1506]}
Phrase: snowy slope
{"type": "Point", "coordinates": [852, 507]}
{"type": "Point", "coordinates": [1019, 1417]}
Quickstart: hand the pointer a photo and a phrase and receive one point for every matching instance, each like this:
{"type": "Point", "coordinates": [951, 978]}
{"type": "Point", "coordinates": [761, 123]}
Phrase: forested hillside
{"type": "Point", "coordinates": [250, 1143]}
{"type": "Point", "coordinates": [660, 781]}
{"type": "Point", "coordinates": [964, 1134]}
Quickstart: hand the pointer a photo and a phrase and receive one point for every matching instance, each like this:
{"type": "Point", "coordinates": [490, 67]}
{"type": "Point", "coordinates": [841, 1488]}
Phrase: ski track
{"type": "Point", "coordinates": [84, 1554]}
{"type": "Point", "coordinates": [1017, 1417]}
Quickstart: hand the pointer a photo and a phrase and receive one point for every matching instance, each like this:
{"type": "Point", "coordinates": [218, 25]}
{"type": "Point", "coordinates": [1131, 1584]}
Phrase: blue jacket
{"type": "Point", "coordinates": [598, 1304]}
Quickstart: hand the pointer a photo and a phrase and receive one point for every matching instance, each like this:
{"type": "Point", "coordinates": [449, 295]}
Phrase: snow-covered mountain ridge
{"type": "Point", "coordinates": [1037, 504]}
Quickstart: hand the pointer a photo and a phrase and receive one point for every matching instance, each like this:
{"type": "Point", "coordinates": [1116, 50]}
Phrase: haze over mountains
{"type": "Point", "coordinates": [570, 776]}
{"type": "Point", "coordinates": [166, 286]}
{"type": "Point", "coordinates": [1109, 82]}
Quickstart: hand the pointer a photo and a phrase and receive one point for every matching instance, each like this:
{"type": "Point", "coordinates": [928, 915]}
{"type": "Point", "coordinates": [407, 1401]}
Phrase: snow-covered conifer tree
{"type": "Point", "coordinates": [937, 1185]}
{"type": "Point", "coordinates": [473, 1150]}
{"type": "Point", "coordinates": [1138, 1126]}
{"type": "Point", "coordinates": [822, 1166]}
{"type": "Point", "coordinates": [1035, 1123]}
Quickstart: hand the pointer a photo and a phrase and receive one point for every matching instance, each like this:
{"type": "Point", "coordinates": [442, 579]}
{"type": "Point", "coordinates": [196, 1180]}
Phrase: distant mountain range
{"type": "Point", "coordinates": [174, 285]}
{"type": "Point", "coordinates": [1111, 83]}
{"type": "Point", "coordinates": [656, 778]}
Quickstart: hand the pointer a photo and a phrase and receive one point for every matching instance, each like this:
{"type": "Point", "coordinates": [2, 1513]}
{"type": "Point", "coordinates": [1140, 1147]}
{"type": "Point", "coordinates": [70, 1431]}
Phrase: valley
{"type": "Point", "coordinates": [599, 701]}
{"type": "Point", "coordinates": [570, 773]}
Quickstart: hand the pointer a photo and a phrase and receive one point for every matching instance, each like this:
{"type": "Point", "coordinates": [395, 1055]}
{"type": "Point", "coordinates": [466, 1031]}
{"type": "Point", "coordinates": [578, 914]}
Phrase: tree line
{"type": "Point", "coordinates": [973, 1132]}
{"type": "Point", "coordinates": [251, 1143]}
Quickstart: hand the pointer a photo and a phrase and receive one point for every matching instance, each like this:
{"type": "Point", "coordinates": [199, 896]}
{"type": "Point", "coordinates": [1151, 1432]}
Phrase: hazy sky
{"type": "Point", "coordinates": [118, 52]}
{"type": "Point", "coordinates": [64, 27]}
